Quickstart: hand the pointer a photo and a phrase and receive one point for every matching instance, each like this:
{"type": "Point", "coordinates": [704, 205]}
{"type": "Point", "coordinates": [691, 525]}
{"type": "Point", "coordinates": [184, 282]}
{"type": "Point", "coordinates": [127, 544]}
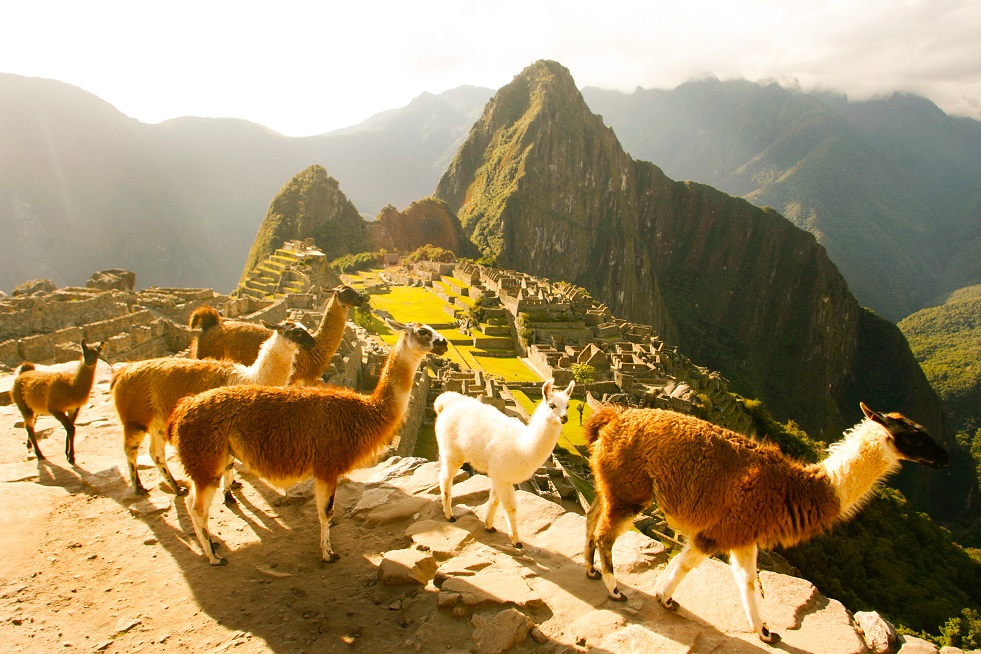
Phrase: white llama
{"type": "Point", "coordinates": [507, 450]}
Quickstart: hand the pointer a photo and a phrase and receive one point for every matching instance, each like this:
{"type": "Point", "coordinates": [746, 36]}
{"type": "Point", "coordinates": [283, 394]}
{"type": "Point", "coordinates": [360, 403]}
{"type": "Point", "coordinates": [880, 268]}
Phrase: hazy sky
{"type": "Point", "coordinates": [307, 67]}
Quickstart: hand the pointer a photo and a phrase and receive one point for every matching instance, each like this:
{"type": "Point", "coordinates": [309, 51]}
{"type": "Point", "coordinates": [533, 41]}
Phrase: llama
{"type": "Point", "coordinates": [240, 341]}
{"type": "Point", "coordinates": [729, 493]}
{"type": "Point", "coordinates": [59, 393]}
{"type": "Point", "coordinates": [146, 392]}
{"type": "Point", "coordinates": [287, 435]}
{"type": "Point", "coordinates": [504, 448]}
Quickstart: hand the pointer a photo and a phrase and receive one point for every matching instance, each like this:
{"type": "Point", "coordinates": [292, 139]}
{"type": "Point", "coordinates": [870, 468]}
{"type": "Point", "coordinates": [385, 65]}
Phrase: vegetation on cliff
{"type": "Point", "coordinates": [311, 205]}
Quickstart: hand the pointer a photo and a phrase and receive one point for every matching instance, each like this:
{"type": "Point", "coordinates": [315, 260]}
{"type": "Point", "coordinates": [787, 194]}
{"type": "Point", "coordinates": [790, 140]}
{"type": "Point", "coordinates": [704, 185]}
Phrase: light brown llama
{"type": "Point", "coordinates": [287, 435]}
{"type": "Point", "coordinates": [729, 493]}
{"type": "Point", "coordinates": [146, 392]}
{"type": "Point", "coordinates": [239, 341]}
{"type": "Point", "coordinates": [59, 393]}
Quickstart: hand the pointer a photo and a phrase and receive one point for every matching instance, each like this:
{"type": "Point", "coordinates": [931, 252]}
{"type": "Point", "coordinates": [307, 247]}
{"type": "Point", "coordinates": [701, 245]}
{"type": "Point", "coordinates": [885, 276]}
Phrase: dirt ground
{"type": "Point", "coordinates": [86, 565]}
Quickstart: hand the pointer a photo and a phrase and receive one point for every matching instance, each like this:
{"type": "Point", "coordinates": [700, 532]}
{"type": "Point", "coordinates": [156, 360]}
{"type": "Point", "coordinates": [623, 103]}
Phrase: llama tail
{"type": "Point", "coordinates": [599, 419]}
{"type": "Point", "coordinates": [204, 317]}
{"type": "Point", "coordinates": [27, 365]}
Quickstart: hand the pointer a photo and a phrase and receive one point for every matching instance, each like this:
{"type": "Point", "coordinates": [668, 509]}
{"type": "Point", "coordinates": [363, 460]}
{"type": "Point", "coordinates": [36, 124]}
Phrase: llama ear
{"type": "Point", "coordinates": [395, 325]}
{"type": "Point", "coordinates": [547, 389]}
{"type": "Point", "coordinates": [871, 415]}
{"type": "Point", "coordinates": [271, 325]}
{"type": "Point", "coordinates": [568, 389]}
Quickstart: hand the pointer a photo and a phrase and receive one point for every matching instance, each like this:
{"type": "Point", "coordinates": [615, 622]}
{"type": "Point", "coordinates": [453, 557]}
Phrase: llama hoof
{"type": "Point", "coordinates": [181, 490]}
{"type": "Point", "coordinates": [617, 596]}
{"type": "Point", "coordinates": [230, 499]}
{"type": "Point", "coordinates": [71, 461]}
{"type": "Point", "coordinates": [235, 485]}
{"type": "Point", "coordinates": [332, 557]}
{"type": "Point", "coordinates": [519, 545]}
{"type": "Point", "coordinates": [140, 490]}
{"type": "Point", "coordinates": [490, 530]}
{"type": "Point", "coordinates": [769, 637]}
{"type": "Point", "coordinates": [669, 604]}
{"type": "Point", "coordinates": [219, 561]}
{"type": "Point", "coordinates": [593, 574]}
{"type": "Point", "coordinates": [451, 518]}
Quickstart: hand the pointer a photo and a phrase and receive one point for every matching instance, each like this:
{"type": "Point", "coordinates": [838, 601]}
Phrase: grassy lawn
{"type": "Point", "coordinates": [511, 369]}
{"type": "Point", "coordinates": [412, 304]}
{"type": "Point", "coordinates": [571, 431]}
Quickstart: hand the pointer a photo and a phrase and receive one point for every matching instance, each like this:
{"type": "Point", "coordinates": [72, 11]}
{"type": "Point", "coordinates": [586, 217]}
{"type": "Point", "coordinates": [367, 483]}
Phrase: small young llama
{"type": "Point", "coordinates": [729, 493]}
{"type": "Point", "coordinates": [59, 393]}
{"type": "Point", "coordinates": [287, 435]}
{"type": "Point", "coordinates": [146, 392]}
{"type": "Point", "coordinates": [507, 450]}
{"type": "Point", "coordinates": [239, 341]}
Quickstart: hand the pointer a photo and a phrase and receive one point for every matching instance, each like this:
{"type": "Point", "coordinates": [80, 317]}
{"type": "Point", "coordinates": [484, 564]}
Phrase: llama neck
{"type": "Point", "coordinates": [331, 328]}
{"type": "Point", "coordinates": [857, 463]}
{"type": "Point", "coordinates": [84, 377]}
{"type": "Point", "coordinates": [395, 385]}
{"type": "Point", "coordinates": [537, 439]}
{"type": "Point", "coordinates": [275, 362]}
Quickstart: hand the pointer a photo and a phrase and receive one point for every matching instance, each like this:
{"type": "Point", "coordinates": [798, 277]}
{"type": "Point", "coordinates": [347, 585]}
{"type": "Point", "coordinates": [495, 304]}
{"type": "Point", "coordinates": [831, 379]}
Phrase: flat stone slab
{"type": "Point", "coordinates": [107, 482]}
{"type": "Point", "coordinates": [637, 639]}
{"type": "Point", "coordinates": [153, 505]}
{"type": "Point", "coordinates": [440, 537]}
{"type": "Point", "coordinates": [406, 566]}
{"type": "Point", "coordinates": [494, 587]}
{"type": "Point", "coordinates": [381, 505]}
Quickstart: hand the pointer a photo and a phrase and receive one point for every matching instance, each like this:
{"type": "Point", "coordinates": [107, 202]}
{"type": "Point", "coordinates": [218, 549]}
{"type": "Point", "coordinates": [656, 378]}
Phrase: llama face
{"type": "Point", "coordinates": [558, 403]}
{"type": "Point", "coordinates": [349, 297]}
{"type": "Point", "coordinates": [422, 337]}
{"type": "Point", "coordinates": [294, 332]}
{"type": "Point", "coordinates": [91, 354]}
{"type": "Point", "coordinates": [910, 440]}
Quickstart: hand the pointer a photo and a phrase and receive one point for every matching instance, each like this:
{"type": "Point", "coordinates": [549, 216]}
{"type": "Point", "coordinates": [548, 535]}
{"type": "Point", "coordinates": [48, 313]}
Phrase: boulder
{"type": "Point", "coordinates": [880, 636]}
{"type": "Point", "coordinates": [407, 566]}
{"type": "Point", "coordinates": [500, 632]}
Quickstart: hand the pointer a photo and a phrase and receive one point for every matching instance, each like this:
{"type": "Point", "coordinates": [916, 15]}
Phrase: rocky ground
{"type": "Point", "coordinates": [88, 566]}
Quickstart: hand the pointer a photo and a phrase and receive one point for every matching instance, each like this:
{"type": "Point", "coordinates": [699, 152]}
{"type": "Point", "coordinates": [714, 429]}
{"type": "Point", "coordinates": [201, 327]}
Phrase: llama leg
{"type": "Point", "coordinates": [198, 506]}
{"type": "Point", "coordinates": [158, 452]}
{"type": "Point", "coordinates": [132, 437]}
{"type": "Point", "coordinates": [324, 493]}
{"type": "Point", "coordinates": [491, 510]}
{"type": "Point", "coordinates": [592, 518]}
{"type": "Point", "coordinates": [686, 561]}
{"type": "Point", "coordinates": [447, 469]}
{"type": "Point", "coordinates": [743, 564]}
{"type": "Point", "coordinates": [612, 524]}
{"type": "Point", "coordinates": [69, 426]}
{"type": "Point", "coordinates": [228, 482]}
{"type": "Point", "coordinates": [506, 493]}
{"type": "Point", "coordinates": [29, 422]}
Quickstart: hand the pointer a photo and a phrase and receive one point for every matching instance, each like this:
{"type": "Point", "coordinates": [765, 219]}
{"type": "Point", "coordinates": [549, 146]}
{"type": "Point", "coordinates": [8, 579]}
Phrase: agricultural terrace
{"type": "Point", "coordinates": [416, 304]}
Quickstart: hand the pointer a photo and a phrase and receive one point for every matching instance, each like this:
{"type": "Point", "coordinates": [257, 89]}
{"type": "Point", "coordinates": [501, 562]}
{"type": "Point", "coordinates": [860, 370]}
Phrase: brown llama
{"type": "Point", "coordinates": [239, 341]}
{"type": "Point", "coordinates": [59, 393]}
{"type": "Point", "coordinates": [146, 392]}
{"type": "Point", "coordinates": [287, 435]}
{"type": "Point", "coordinates": [729, 493]}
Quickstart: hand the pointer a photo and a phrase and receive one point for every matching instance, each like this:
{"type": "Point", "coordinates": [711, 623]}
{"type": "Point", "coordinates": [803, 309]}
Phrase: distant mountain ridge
{"type": "Point", "coordinates": [890, 187]}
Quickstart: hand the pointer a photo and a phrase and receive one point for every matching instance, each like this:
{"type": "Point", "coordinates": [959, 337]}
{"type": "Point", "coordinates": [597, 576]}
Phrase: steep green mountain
{"type": "Point", "coordinates": [311, 205]}
{"type": "Point", "coordinates": [543, 185]}
{"type": "Point", "coordinates": [889, 187]}
{"type": "Point", "coordinates": [83, 187]}
{"type": "Point", "coordinates": [947, 342]}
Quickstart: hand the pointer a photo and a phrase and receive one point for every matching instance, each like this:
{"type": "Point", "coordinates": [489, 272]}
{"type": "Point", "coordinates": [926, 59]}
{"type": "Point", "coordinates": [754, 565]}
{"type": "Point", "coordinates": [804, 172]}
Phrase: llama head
{"type": "Point", "coordinates": [909, 440]}
{"type": "Point", "coordinates": [557, 401]}
{"type": "Point", "coordinates": [91, 354]}
{"type": "Point", "coordinates": [348, 297]}
{"type": "Point", "coordinates": [294, 333]}
{"type": "Point", "coordinates": [421, 338]}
